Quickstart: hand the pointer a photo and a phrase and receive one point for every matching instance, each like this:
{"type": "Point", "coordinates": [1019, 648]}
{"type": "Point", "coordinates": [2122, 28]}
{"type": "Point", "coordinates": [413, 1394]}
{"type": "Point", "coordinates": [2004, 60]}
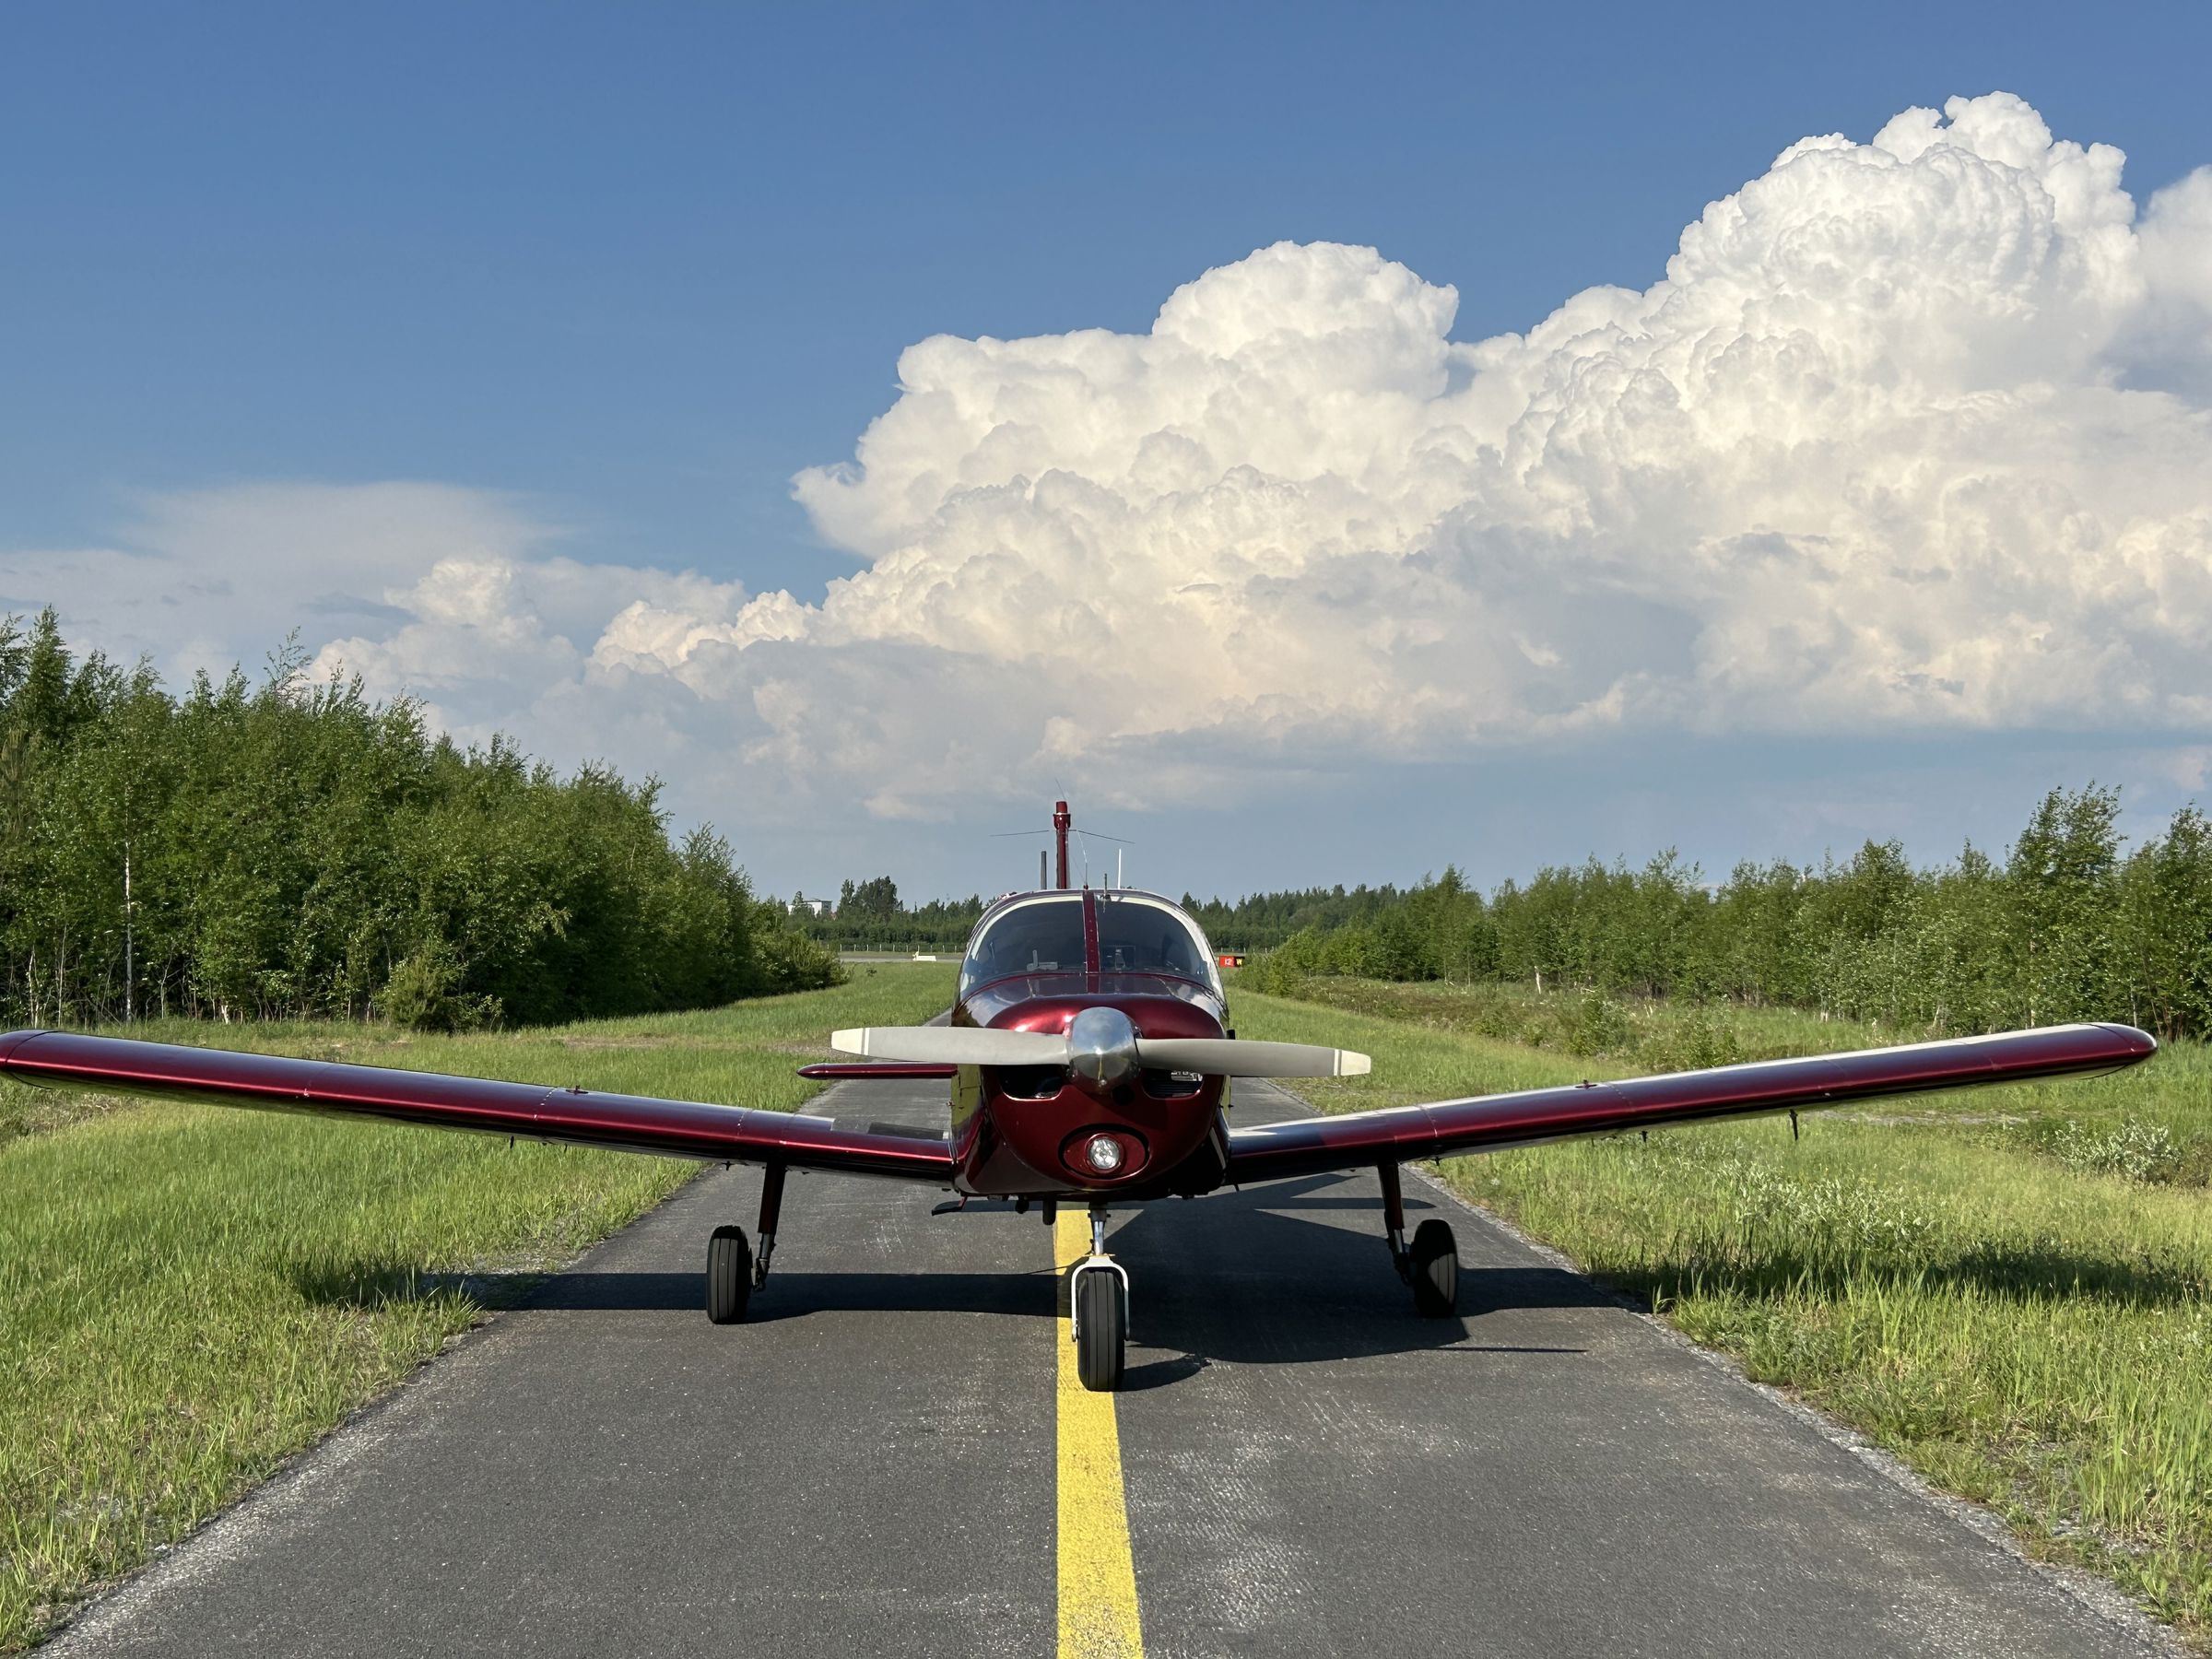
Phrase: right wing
{"type": "Point", "coordinates": [580, 1117]}
{"type": "Point", "coordinates": [1487, 1122]}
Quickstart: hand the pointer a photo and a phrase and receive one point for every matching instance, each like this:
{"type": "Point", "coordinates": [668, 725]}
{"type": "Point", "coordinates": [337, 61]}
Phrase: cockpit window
{"type": "Point", "coordinates": [1138, 935]}
{"type": "Point", "coordinates": [1043, 937]}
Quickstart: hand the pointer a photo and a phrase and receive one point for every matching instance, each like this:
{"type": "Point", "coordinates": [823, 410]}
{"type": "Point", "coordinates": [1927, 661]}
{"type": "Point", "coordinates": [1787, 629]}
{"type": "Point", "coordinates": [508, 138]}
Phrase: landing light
{"type": "Point", "coordinates": [1103, 1154]}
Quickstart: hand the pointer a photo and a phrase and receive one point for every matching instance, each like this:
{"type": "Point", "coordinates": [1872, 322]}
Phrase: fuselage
{"type": "Point", "coordinates": [1034, 963]}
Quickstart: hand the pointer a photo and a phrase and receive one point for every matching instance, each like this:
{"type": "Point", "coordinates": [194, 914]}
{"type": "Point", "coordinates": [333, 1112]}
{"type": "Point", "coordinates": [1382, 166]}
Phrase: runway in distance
{"type": "Point", "coordinates": [1088, 1056]}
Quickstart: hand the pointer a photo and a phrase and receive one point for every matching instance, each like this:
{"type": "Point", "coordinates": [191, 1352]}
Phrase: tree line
{"type": "Point", "coordinates": [290, 848]}
{"type": "Point", "coordinates": [2068, 925]}
{"type": "Point", "coordinates": [869, 915]}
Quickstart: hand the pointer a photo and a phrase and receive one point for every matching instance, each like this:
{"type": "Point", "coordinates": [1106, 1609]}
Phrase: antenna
{"type": "Point", "coordinates": [1064, 826]}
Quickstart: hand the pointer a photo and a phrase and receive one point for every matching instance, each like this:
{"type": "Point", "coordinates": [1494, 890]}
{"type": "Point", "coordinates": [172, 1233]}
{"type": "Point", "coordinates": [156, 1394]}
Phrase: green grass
{"type": "Point", "coordinates": [189, 1295]}
{"type": "Point", "coordinates": [1956, 1277]}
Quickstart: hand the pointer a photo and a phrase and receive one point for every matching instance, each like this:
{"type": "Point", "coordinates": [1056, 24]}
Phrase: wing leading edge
{"type": "Point", "coordinates": [1308, 1145]}
{"type": "Point", "coordinates": [580, 1117]}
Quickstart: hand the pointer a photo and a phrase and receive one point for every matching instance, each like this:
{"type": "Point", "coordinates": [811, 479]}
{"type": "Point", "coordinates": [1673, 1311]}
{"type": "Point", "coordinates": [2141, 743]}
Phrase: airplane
{"type": "Point", "coordinates": [1089, 1055]}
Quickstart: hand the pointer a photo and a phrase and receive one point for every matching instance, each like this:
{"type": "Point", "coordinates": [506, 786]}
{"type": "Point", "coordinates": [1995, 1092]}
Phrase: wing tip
{"type": "Point", "coordinates": [852, 1041]}
{"type": "Point", "coordinates": [2141, 1044]}
{"type": "Point", "coordinates": [1352, 1064]}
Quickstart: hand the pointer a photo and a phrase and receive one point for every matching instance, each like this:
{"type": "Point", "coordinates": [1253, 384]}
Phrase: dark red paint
{"type": "Point", "coordinates": [1009, 1144]}
{"type": "Point", "coordinates": [1491, 1122]}
{"type": "Point", "coordinates": [631, 1122]}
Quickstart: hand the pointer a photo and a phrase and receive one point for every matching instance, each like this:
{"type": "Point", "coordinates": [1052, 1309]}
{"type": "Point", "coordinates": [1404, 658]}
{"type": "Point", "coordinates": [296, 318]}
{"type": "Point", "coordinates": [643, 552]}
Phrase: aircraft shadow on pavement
{"type": "Point", "coordinates": [788, 1295]}
{"type": "Point", "coordinates": [1266, 1276]}
{"type": "Point", "coordinates": [1368, 1206]}
{"type": "Point", "coordinates": [1245, 1278]}
{"type": "Point", "coordinates": [791, 1294]}
{"type": "Point", "coordinates": [798, 1295]}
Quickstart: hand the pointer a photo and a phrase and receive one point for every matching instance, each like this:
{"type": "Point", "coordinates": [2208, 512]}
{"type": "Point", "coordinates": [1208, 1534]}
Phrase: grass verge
{"type": "Point", "coordinates": [189, 1295]}
{"type": "Point", "coordinates": [2026, 1324]}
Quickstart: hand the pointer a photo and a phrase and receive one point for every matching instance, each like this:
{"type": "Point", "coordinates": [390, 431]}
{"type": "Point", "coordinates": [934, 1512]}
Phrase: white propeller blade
{"type": "Point", "coordinates": [1218, 1056]}
{"type": "Point", "coordinates": [1235, 1057]}
{"type": "Point", "coordinates": [952, 1045]}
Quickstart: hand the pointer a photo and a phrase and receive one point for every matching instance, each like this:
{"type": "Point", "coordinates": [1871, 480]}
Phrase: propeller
{"type": "Point", "coordinates": [952, 1045]}
{"type": "Point", "coordinates": [1101, 1046]}
{"type": "Point", "coordinates": [1237, 1057]}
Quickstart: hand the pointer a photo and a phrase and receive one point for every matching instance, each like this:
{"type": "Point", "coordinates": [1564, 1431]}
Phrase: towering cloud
{"type": "Point", "coordinates": [1905, 439]}
{"type": "Point", "coordinates": [1915, 434]}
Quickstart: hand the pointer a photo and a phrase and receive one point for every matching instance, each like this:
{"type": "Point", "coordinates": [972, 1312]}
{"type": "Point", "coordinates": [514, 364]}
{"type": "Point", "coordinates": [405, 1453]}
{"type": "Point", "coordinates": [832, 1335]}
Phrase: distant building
{"type": "Point", "coordinates": [813, 907]}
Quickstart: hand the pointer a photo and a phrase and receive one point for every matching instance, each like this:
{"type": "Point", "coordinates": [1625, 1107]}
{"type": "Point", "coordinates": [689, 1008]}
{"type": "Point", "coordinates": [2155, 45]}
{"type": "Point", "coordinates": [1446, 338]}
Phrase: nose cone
{"type": "Point", "coordinates": [1101, 1047]}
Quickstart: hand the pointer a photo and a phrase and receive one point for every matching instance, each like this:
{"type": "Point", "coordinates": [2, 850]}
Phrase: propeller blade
{"type": "Point", "coordinates": [952, 1045]}
{"type": "Point", "coordinates": [1233, 1057]}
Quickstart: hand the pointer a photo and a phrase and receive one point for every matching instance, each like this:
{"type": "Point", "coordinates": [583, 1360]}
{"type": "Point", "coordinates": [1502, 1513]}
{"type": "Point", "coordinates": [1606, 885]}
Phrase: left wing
{"type": "Point", "coordinates": [1487, 1122]}
{"type": "Point", "coordinates": [581, 1117]}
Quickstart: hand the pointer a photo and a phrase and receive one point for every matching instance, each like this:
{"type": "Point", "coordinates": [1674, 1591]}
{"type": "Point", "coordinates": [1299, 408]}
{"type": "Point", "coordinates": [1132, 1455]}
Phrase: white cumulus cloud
{"type": "Point", "coordinates": [1913, 435]}
{"type": "Point", "coordinates": [1887, 448]}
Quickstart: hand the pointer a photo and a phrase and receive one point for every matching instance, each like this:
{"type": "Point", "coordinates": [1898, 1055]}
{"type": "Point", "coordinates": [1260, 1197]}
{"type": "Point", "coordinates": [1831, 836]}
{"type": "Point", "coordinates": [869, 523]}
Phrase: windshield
{"type": "Point", "coordinates": [1044, 935]}
{"type": "Point", "coordinates": [1142, 936]}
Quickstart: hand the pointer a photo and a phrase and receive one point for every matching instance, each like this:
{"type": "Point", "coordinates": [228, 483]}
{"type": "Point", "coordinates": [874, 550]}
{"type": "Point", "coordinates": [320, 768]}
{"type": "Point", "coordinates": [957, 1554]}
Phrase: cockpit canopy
{"type": "Point", "coordinates": [1137, 933]}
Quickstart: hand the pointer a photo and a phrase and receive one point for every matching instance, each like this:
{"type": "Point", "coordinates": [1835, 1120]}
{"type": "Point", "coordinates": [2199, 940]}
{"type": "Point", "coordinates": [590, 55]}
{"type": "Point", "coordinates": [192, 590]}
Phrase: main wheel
{"type": "Point", "coordinates": [729, 1274]}
{"type": "Point", "coordinates": [1102, 1327]}
{"type": "Point", "coordinates": [1435, 1270]}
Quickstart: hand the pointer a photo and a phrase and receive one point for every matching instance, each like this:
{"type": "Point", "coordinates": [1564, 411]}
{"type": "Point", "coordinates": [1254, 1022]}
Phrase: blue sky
{"type": "Point", "coordinates": [631, 269]}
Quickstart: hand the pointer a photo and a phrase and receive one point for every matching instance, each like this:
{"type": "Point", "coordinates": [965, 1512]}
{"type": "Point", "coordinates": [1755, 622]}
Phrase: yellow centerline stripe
{"type": "Point", "coordinates": [1098, 1576]}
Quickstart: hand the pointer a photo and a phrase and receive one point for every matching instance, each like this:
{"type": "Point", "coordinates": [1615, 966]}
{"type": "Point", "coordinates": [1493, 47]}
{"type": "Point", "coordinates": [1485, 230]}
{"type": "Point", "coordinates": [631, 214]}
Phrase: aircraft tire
{"type": "Point", "coordinates": [1101, 1330]}
{"type": "Point", "coordinates": [729, 1274]}
{"type": "Point", "coordinates": [1435, 1270]}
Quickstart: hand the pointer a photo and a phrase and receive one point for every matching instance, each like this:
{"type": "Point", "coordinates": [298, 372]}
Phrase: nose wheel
{"type": "Point", "coordinates": [1101, 1312]}
{"type": "Point", "coordinates": [1098, 1302]}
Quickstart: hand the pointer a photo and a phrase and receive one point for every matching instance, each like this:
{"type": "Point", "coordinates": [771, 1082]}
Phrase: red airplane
{"type": "Point", "coordinates": [1089, 1053]}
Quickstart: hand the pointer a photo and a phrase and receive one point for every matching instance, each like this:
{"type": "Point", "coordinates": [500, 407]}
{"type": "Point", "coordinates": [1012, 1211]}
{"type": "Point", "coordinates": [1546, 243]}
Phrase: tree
{"type": "Point", "coordinates": [292, 848]}
{"type": "Point", "coordinates": [2064, 874]}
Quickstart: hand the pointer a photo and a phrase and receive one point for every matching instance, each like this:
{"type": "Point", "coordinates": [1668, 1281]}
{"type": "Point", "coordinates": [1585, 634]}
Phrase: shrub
{"type": "Point", "coordinates": [1600, 1026]}
{"type": "Point", "coordinates": [2133, 1149]}
{"type": "Point", "coordinates": [1699, 1038]}
{"type": "Point", "coordinates": [424, 993]}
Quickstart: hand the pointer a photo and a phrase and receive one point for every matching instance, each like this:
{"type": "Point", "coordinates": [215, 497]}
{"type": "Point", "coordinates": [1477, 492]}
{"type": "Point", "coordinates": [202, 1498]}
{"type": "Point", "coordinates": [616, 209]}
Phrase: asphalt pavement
{"type": "Point", "coordinates": [867, 1466]}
